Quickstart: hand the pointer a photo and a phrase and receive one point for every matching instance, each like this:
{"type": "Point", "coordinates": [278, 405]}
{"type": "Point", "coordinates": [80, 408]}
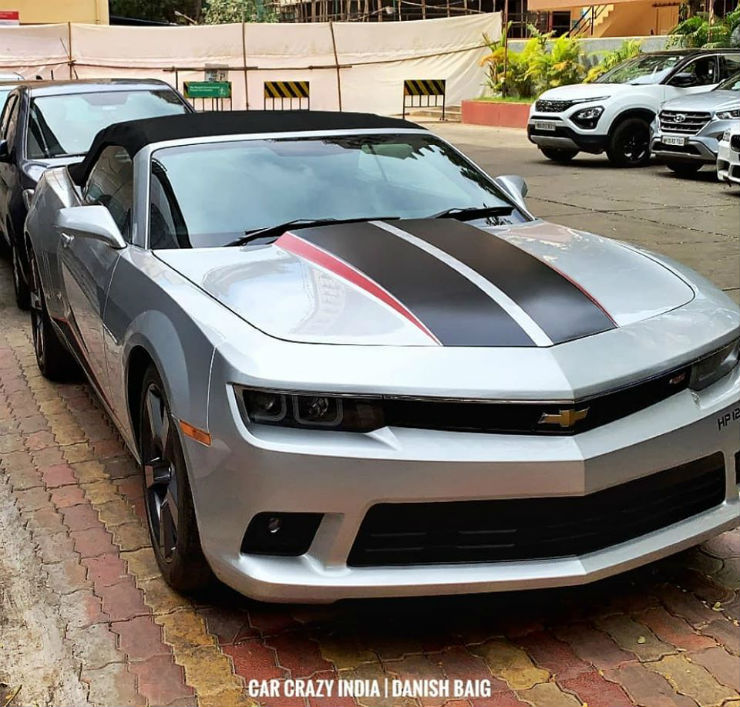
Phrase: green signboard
{"type": "Point", "coordinates": [208, 89]}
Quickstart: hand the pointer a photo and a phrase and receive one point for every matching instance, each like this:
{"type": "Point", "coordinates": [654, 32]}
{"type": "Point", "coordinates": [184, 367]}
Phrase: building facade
{"type": "Point", "coordinates": [51, 11]}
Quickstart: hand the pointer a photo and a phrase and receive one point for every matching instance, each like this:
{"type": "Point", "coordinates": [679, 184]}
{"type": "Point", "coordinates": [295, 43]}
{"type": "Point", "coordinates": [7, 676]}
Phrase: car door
{"type": "Point", "coordinates": [702, 74]}
{"type": "Point", "coordinates": [87, 264]}
{"type": "Point", "coordinates": [8, 172]}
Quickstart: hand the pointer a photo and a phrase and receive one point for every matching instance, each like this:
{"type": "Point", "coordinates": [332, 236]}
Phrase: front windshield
{"type": "Point", "coordinates": [731, 84]}
{"type": "Point", "coordinates": [209, 195]}
{"type": "Point", "coordinates": [66, 124]}
{"type": "Point", "coordinates": [651, 68]}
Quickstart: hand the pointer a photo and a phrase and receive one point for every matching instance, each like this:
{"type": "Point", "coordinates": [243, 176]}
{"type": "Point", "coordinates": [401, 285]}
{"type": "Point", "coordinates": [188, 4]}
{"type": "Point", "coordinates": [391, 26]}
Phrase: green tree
{"type": "Point", "coordinates": [221, 11]}
{"type": "Point", "coordinates": [157, 10]}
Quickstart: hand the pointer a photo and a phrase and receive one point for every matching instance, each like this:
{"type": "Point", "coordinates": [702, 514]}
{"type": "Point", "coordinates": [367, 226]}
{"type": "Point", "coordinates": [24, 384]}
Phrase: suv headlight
{"type": "Point", "coordinates": [715, 366]}
{"type": "Point", "coordinates": [310, 410]}
{"type": "Point", "coordinates": [588, 117]}
{"type": "Point", "coordinates": [728, 114]}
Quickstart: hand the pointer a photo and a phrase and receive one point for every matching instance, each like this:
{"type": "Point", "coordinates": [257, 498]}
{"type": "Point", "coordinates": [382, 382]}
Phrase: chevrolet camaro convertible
{"type": "Point", "coordinates": [352, 364]}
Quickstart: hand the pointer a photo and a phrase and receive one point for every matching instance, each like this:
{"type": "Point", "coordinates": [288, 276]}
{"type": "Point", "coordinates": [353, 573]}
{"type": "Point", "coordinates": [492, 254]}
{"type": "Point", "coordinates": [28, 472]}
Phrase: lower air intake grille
{"type": "Point", "coordinates": [536, 528]}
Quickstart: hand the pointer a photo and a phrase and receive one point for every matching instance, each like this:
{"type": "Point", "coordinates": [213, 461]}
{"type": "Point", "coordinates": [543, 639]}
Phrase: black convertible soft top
{"type": "Point", "coordinates": [136, 134]}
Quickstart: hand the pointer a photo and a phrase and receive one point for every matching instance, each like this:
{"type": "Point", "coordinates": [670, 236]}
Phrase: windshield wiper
{"type": "Point", "coordinates": [472, 212]}
{"type": "Point", "coordinates": [280, 228]}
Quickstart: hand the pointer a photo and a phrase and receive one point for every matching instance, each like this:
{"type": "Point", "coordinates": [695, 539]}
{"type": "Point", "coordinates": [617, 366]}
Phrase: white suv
{"type": "Point", "coordinates": [614, 113]}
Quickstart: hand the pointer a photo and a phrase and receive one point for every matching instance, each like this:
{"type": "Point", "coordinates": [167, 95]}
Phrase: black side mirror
{"type": "Point", "coordinates": [683, 80]}
{"type": "Point", "coordinates": [4, 151]}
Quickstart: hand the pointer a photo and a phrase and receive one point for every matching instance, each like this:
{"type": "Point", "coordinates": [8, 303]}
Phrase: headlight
{"type": "Point", "coordinates": [715, 366]}
{"type": "Point", "coordinates": [588, 117]}
{"type": "Point", "coordinates": [728, 114]}
{"type": "Point", "coordinates": [311, 411]}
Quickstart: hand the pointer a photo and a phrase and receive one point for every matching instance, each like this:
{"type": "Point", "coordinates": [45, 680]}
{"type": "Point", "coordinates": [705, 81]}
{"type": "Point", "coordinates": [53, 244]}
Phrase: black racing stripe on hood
{"type": "Point", "coordinates": [456, 311]}
{"type": "Point", "coordinates": [558, 306]}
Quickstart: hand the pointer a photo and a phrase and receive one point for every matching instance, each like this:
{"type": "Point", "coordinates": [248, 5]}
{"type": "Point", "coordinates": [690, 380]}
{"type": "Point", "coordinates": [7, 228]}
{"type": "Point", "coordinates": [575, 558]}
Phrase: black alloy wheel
{"type": "Point", "coordinates": [169, 507]}
{"type": "Point", "coordinates": [629, 144]}
{"type": "Point", "coordinates": [52, 356]}
{"type": "Point", "coordinates": [20, 287]}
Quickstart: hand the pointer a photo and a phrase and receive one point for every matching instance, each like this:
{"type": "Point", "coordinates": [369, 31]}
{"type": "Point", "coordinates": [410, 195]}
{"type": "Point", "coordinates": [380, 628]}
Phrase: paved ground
{"type": "Point", "coordinates": [86, 619]}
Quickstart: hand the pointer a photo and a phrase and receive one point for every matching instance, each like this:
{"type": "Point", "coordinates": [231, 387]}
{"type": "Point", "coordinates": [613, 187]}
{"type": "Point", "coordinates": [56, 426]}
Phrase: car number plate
{"type": "Point", "coordinates": [677, 140]}
{"type": "Point", "coordinates": [545, 125]}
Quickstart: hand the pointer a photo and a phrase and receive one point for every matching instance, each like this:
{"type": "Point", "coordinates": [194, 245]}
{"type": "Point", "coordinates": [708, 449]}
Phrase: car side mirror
{"type": "Point", "coordinates": [92, 221]}
{"type": "Point", "coordinates": [4, 151]}
{"type": "Point", "coordinates": [683, 80]}
{"type": "Point", "coordinates": [515, 186]}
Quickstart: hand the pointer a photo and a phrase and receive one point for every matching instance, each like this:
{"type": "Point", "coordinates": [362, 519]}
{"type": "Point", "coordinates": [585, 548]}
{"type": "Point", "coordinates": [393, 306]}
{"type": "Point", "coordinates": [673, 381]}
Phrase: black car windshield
{"type": "Point", "coordinates": [651, 68]}
{"type": "Point", "coordinates": [731, 84]}
{"type": "Point", "coordinates": [211, 194]}
{"type": "Point", "coordinates": [66, 124]}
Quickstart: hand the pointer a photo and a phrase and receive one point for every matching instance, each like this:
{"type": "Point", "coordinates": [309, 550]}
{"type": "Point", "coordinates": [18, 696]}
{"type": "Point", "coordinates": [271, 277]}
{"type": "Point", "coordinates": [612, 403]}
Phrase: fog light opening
{"type": "Point", "coordinates": [284, 534]}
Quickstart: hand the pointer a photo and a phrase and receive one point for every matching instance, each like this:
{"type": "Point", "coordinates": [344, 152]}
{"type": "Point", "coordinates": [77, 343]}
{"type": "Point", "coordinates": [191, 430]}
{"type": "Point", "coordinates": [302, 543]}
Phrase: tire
{"type": "Point", "coordinates": [174, 535]}
{"type": "Point", "coordinates": [20, 286]}
{"type": "Point", "coordinates": [559, 155]}
{"type": "Point", "coordinates": [629, 143]}
{"type": "Point", "coordinates": [52, 356]}
{"type": "Point", "coordinates": [684, 169]}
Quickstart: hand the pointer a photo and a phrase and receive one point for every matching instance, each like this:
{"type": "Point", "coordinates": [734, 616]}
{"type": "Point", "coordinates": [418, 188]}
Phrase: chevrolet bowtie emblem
{"type": "Point", "coordinates": [564, 418]}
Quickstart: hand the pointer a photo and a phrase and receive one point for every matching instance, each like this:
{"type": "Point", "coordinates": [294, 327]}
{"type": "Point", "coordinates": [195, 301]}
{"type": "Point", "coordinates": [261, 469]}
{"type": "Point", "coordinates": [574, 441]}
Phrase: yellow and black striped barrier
{"type": "Point", "coordinates": [415, 91]}
{"type": "Point", "coordinates": [289, 91]}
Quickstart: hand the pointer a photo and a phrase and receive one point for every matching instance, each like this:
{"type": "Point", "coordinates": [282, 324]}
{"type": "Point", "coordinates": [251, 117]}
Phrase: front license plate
{"type": "Point", "coordinates": [544, 125]}
{"type": "Point", "coordinates": [677, 140]}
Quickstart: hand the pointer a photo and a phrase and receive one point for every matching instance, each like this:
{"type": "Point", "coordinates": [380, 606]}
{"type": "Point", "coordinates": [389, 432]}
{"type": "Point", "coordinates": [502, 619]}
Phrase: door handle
{"type": "Point", "coordinates": [67, 240]}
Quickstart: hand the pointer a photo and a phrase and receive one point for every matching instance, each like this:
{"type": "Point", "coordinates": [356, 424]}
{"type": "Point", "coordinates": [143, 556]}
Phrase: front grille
{"type": "Point", "coordinates": [544, 106]}
{"type": "Point", "coordinates": [684, 122]}
{"type": "Point", "coordinates": [536, 528]}
{"type": "Point", "coordinates": [735, 143]}
{"type": "Point", "coordinates": [527, 418]}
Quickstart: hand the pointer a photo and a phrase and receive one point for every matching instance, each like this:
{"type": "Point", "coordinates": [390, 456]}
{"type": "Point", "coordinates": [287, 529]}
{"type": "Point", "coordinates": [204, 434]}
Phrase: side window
{"type": "Point", "coordinates": [6, 115]}
{"type": "Point", "coordinates": [111, 183]}
{"type": "Point", "coordinates": [703, 72]}
{"type": "Point", "coordinates": [729, 65]}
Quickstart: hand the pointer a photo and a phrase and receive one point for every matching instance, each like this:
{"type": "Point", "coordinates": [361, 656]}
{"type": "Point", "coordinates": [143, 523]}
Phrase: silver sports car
{"type": "Point", "coordinates": [352, 364]}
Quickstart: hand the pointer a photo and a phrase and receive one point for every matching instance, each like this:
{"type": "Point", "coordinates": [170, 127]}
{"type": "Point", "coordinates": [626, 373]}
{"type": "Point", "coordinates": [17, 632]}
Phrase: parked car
{"type": "Point", "coordinates": [614, 113]}
{"type": "Point", "coordinates": [686, 132]}
{"type": "Point", "coordinates": [351, 364]}
{"type": "Point", "coordinates": [46, 124]}
{"type": "Point", "coordinates": [728, 155]}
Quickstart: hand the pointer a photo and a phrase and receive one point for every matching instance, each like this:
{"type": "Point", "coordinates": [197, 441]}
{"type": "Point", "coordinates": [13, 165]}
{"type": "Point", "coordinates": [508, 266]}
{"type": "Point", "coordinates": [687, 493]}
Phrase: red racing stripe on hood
{"type": "Point", "coordinates": [303, 249]}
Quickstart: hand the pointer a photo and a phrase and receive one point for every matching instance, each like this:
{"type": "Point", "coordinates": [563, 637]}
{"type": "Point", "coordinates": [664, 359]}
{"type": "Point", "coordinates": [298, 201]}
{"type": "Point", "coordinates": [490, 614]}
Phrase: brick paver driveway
{"type": "Point", "coordinates": [86, 619]}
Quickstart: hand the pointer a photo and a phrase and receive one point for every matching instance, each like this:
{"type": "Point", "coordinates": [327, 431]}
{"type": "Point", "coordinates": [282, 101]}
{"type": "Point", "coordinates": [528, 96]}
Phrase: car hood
{"type": "Point", "coordinates": [583, 91]}
{"type": "Point", "coordinates": [435, 282]}
{"type": "Point", "coordinates": [709, 101]}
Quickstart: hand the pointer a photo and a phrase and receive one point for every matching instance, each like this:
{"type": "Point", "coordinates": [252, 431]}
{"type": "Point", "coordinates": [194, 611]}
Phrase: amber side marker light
{"type": "Point", "coordinates": [194, 433]}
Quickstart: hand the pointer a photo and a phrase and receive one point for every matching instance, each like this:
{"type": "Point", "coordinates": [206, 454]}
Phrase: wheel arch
{"type": "Point", "coordinates": [644, 113]}
{"type": "Point", "coordinates": [139, 360]}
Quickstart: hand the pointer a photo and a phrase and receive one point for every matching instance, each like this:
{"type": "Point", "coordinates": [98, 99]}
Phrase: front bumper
{"type": "Point", "coordinates": [565, 137]}
{"type": "Point", "coordinates": [248, 471]}
{"type": "Point", "coordinates": [728, 164]}
{"type": "Point", "coordinates": [701, 147]}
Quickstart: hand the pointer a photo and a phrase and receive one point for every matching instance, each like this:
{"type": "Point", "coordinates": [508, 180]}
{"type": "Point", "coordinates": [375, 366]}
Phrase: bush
{"type": "Point", "coordinates": [697, 32]}
{"type": "Point", "coordinates": [630, 48]}
{"type": "Point", "coordinates": [543, 63]}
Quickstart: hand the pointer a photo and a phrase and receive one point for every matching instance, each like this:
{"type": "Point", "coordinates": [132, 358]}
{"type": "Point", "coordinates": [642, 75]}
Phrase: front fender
{"type": "Point", "coordinates": [159, 321]}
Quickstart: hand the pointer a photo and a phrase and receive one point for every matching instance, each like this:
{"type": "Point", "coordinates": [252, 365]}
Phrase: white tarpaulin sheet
{"type": "Point", "coordinates": [349, 65]}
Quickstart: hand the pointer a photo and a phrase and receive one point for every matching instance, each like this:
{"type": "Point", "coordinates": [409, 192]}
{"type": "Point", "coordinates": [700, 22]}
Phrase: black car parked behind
{"type": "Point", "coordinates": [52, 123]}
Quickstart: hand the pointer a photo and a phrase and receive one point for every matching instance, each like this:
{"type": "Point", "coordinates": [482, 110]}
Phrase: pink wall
{"type": "Point", "coordinates": [505, 115]}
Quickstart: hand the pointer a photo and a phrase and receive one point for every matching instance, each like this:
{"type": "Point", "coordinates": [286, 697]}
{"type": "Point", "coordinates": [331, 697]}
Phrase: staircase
{"type": "Point", "coordinates": [590, 21]}
{"type": "Point", "coordinates": [453, 114]}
